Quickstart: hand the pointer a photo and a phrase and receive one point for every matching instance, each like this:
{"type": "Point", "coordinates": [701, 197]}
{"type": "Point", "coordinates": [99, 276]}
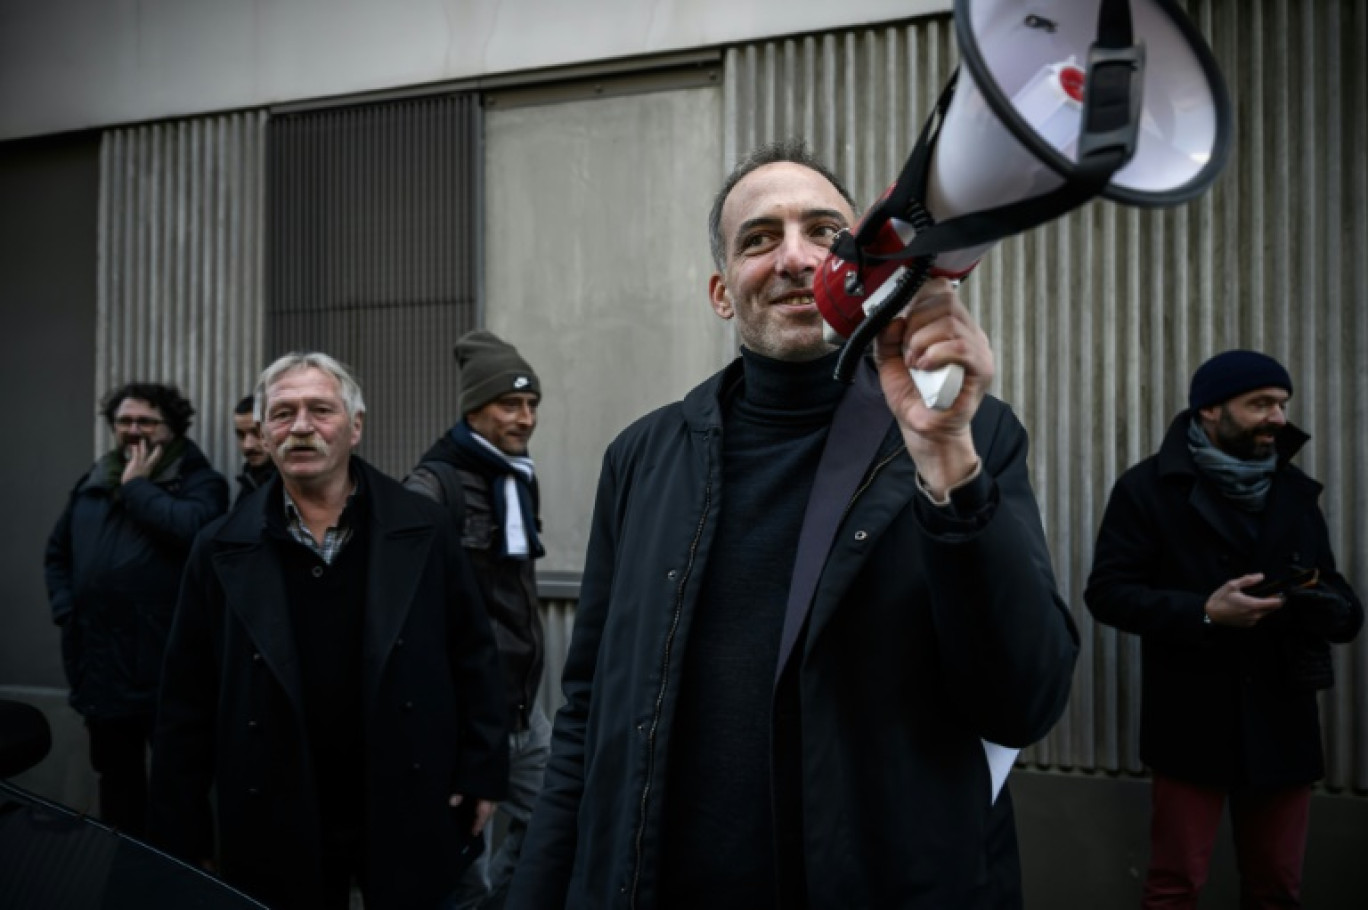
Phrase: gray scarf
{"type": "Point", "coordinates": [1244, 483]}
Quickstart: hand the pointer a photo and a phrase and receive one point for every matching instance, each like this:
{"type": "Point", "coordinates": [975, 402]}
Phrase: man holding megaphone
{"type": "Point", "coordinates": [815, 618]}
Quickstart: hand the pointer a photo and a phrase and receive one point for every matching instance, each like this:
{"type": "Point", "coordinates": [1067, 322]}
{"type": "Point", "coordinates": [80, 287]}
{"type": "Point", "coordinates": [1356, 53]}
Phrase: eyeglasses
{"type": "Point", "coordinates": [142, 423]}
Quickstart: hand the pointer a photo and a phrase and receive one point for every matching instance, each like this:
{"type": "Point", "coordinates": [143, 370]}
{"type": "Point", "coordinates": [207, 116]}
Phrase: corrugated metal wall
{"type": "Point", "coordinates": [180, 253]}
{"type": "Point", "coordinates": [374, 256]}
{"type": "Point", "coordinates": [1098, 319]}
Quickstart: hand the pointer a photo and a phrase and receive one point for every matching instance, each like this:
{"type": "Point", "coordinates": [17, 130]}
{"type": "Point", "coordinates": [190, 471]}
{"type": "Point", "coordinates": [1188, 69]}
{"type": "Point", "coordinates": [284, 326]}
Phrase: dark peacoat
{"type": "Point", "coordinates": [231, 714]}
{"type": "Point", "coordinates": [1219, 705]}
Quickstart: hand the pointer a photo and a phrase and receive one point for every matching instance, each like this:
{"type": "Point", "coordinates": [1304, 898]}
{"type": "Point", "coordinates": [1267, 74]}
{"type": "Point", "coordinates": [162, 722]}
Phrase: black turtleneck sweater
{"type": "Point", "coordinates": [719, 840]}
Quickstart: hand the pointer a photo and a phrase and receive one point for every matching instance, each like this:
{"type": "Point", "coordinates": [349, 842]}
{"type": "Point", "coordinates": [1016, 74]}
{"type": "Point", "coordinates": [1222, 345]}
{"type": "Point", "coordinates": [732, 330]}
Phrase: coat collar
{"type": "Point", "coordinates": [859, 429]}
{"type": "Point", "coordinates": [1291, 490]}
{"type": "Point", "coordinates": [703, 404]}
{"type": "Point", "coordinates": [401, 535]}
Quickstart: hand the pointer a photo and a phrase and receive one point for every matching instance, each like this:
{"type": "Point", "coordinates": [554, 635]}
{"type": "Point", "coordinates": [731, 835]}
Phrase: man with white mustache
{"type": "Point", "coordinates": [331, 674]}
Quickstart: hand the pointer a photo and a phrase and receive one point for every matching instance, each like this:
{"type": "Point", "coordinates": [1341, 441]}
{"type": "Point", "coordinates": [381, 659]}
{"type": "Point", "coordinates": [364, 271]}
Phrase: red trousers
{"type": "Point", "coordinates": [1269, 828]}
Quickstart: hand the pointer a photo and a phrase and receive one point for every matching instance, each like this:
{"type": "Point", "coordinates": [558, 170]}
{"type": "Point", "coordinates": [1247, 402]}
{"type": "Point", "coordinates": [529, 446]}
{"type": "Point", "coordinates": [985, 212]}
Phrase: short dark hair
{"type": "Point", "coordinates": [175, 409]}
{"type": "Point", "coordinates": [794, 151]}
{"type": "Point", "coordinates": [245, 405]}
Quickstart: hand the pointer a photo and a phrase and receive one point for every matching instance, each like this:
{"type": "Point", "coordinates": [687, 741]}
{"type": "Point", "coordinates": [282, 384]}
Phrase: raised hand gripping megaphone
{"type": "Point", "coordinates": [1064, 100]}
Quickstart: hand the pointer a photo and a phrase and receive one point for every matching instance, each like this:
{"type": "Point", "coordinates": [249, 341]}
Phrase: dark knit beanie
{"type": "Point", "coordinates": [1233, 373]}
{"type": "Point", "coordinates": [489, 368]}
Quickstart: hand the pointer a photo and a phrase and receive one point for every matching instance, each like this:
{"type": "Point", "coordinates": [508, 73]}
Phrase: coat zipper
{"type": "Point", "coordinates": [873, 473]}
{"type": "Point", "coordinates": [664, 677]}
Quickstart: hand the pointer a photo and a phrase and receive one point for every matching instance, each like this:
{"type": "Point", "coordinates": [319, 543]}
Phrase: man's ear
{"type": "Point", "coordinates": [721, 297]}
{"type": "Point", "coordinates": [356, 429]}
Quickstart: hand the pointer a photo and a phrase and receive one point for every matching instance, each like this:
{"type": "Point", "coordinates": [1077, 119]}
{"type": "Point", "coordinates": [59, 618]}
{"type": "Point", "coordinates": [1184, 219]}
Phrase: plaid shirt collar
{"type": "Point", "coordinates": [334, 538]}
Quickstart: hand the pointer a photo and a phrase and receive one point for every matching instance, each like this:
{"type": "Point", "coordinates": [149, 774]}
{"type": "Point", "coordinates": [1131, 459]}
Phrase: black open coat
{"type": "Point", "coordinates": [113, 567]}
{"type": "Point", "coordinates": [920, 643]}
{"type": "Point", "coordinates": [1217, 703]}
{"type": "Point", "coordinates": [231, 712]}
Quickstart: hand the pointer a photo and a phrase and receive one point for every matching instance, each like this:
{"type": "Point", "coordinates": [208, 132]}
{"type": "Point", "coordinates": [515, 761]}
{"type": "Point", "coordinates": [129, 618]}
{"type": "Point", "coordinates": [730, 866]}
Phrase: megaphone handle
{"type": "Point", "coordinates": [939, 388]}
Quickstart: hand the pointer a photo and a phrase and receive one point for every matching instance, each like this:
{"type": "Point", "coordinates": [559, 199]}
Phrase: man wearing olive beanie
{"type": "Point", "coordinates": [1230, 671]}
{"type": "Point", "coordinates": [481, 470]}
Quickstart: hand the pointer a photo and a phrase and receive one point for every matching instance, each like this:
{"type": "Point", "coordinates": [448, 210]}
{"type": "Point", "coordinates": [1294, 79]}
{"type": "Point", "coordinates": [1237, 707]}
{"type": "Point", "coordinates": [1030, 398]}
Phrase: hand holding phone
{"type": "Point", "coordinates": [1298, 578]}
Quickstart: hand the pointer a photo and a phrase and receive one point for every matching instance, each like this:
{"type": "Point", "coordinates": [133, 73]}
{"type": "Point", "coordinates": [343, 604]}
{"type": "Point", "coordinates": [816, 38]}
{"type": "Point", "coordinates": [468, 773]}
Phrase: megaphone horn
{"type": "Point", "coordinates": [1026, 134]}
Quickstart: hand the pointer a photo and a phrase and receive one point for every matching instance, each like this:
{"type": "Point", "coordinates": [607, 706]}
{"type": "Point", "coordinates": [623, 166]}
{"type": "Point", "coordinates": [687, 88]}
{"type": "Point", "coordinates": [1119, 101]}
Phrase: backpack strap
{"type": "Point", "coordinates": [450, 490]}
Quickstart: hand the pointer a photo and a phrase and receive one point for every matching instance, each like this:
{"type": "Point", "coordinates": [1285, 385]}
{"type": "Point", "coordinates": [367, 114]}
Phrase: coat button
{"type": "Point", "coordinates": [253, 791]}
{"type": "Point", "coordinates": [861, 535]}
{"type": "Point", "coordinates": [408, 706]}
{"type": "Point", "coordinates": [417, 766]}
{"type": "Point", "coordinates": [252, 725]}
{"type": "Point", "coordinates": [317, 571]}
{"type": "Point", "coordinates": [256, 657]}
{"type": "Point", "coordinates": [672, 574]}
{"type": "Point", "coordinates": [398, 642]}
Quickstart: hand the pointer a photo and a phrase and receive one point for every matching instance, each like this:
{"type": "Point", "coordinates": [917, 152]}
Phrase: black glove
{"type": "Point", "coordinates": [1318, 610]}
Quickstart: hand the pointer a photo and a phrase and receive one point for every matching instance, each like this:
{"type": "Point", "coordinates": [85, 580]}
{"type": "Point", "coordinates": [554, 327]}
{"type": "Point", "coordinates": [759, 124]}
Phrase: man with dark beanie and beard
{"type": "Point", "coordinates": [1214, 551]}
{"type": "Point", "coordinates": [481, 471]}
{"type": "Point", "coordinates": [114, 565]}
{"type": "Point", "coordinates": [808, 612]}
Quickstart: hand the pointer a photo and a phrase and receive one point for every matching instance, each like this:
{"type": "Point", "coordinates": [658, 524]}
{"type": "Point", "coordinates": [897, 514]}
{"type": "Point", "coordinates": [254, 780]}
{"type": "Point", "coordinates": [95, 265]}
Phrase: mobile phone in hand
{"type": "Point", "coordinates": [1299, 578]}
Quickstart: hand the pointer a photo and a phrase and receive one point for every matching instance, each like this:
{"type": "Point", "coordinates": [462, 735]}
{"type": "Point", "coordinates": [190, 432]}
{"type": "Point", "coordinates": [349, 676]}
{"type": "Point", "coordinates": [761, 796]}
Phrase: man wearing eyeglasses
{"type": "Point", "coordinates": [113, 568]}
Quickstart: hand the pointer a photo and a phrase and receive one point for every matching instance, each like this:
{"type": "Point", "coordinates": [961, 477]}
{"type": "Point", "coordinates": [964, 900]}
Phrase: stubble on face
{"type": "Point", "coordinates": [777, 224]}
{"type": "Point", "coordinates": [507, 422]}
{"type": "Point", "coordinates": [250, 442]}
{"type": "Point", "coordinates": [1243, 442]}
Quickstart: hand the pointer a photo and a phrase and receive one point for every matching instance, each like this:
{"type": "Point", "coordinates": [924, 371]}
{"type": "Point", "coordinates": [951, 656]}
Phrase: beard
{"type": "Point", "coordinates": [1243, 442]}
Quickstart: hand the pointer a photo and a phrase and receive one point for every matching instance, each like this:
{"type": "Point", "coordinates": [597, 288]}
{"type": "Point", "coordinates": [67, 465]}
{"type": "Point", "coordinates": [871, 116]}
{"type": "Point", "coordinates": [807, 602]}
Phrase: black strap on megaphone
{"type": "Point", "coordinates": [1111, 109]}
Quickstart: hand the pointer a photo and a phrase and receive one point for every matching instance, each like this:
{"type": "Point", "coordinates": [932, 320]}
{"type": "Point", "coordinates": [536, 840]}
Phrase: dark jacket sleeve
{"type": "Point", "coordinates": [1122, 590]}
{"type": "Point", "coordinates": [1008, 640]}
{"type": "Point", "coordinates": [175, 518]}
{"type": "Point", "coordinates": [482, 762]}
{"type": "Point", "coordinates": [1331, 609]}
{"type": "Point", "coordinates": [57, 566]}
{"type": "Point", "coordinates": [422, 481]}
{"type": "Point", "coordinates": [542, 877]}
{"type": "Point", "coordinates": [180, 819]}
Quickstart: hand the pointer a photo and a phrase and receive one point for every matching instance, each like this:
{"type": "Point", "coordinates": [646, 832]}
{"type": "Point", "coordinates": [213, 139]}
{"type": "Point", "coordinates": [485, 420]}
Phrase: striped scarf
{"type": "Point", "coordinates": [511, 479]}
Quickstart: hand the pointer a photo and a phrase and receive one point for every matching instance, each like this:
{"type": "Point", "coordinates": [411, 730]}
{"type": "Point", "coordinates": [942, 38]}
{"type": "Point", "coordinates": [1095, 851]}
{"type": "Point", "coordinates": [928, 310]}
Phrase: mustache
{"type": "Point", "coordinates": [310, 443]}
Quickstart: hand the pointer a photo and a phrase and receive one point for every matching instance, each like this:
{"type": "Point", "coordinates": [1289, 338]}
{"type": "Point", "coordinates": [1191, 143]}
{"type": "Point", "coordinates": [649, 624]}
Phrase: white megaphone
{"type": "Point", "coordinates": [1061, 101]}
